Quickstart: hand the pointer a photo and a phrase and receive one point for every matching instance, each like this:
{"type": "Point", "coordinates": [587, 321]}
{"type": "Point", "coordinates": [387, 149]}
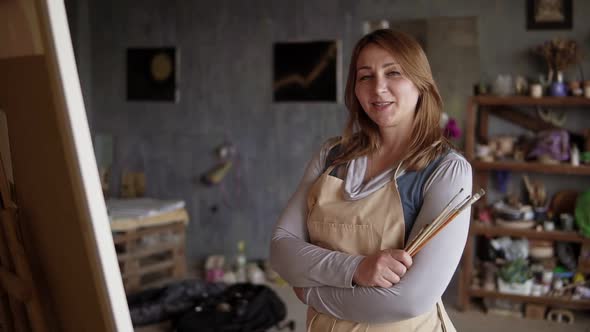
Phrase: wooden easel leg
{"type": "Point", "coordinates": [16, 307]}
{"type": "Point", "coordinates": [5, 318]}
{"type": "Point", "coordinates": [14, 259]}
{"type": "Point", "coordinates": [22, 269]}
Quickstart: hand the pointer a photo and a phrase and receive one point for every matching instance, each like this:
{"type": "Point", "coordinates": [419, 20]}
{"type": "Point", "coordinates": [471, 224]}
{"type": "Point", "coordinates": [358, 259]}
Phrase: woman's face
{"type": "Point", "coordinates": [385, 94]}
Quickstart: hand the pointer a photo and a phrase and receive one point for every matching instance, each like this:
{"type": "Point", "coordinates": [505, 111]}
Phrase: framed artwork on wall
{"type": "Point", "coordinates": [306, 71]}
{"type": "Point", "coordinates": [152, 74]}
{"type": "Point", "coordinates": [549, 14]}
{"type": "Point", "coordinates": [370, 26]}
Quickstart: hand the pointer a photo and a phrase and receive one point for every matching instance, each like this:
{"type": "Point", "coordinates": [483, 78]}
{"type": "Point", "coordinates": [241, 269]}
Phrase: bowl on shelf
{"type": "Point", "coordinates": [507, 212]}
{"type": "Point", "coordinates": [515, 224]}
{"type": "Point", "coordinates": [539, 249]}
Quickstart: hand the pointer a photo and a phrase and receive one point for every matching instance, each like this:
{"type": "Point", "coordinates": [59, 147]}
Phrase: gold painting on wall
{"type": "Point", "coordinates": [306, 71]}
{"type": "Point", "coordinates": [549, 14]}
{"type": "Point", "coordinates": [152, 74]}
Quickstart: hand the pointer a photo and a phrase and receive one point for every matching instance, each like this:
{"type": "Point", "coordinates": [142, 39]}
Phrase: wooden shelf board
{"type": "Point", "coordinates": [529, 101]}
{"type": "Point", "coordinates": [157, 267]}
{"type": "Point", "coordinates": [547, 300]}
{"type": "Point", "coordinates": [153, 249]}
{"type": "Point", "coordinates": [528, 233]}
{"type": "Point", "coordinates": [564, 169]}
{"type": "Point", "coordinates": [128, 224]}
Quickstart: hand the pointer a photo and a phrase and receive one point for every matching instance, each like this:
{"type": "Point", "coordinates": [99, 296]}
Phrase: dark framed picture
{"type": "Point", "coordinates": [549, 14]}
{"type": "Point", "coordinates": [152, 74]}
{"type": "Point", "coordinates": [306, 71]}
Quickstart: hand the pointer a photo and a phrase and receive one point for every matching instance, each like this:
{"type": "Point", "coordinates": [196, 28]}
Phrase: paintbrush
{"type": "Point", "coordinates": [431, 230]}
{"type": "Point", "coordinates": [444, 212]}
{"type": "Point", "coordinates": [444, 216]}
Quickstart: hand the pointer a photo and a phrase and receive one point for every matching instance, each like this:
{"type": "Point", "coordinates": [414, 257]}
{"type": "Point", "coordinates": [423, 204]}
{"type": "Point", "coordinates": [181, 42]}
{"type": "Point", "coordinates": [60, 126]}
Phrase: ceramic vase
{"type": "Point", "coordinates": [558, 88]}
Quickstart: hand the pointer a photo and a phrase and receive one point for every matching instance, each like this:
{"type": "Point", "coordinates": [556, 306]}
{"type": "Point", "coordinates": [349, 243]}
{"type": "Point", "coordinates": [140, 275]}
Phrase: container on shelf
{"type": "Point", "coordinates": [515, 288]}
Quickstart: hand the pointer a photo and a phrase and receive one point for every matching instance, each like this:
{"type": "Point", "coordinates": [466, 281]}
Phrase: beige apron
{"type": "Point", "coordinates": [364, 227]}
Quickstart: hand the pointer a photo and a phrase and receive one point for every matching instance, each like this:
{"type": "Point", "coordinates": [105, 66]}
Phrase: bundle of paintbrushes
{"type": "Point", "coordinates": [447, 215]}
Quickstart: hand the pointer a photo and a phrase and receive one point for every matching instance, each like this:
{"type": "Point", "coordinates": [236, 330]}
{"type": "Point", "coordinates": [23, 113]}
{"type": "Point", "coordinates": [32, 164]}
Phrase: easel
{"type": "Point", "coordinates": [20, 309]}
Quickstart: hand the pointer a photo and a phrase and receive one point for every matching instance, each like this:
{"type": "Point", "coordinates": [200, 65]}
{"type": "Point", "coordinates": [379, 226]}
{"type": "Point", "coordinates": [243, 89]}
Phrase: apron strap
{"type": "Point", "coordinates": [333, 325]}
{"type": "Point", "coordinates": [312, 320]}
{"type": "Point", "coordinates": [441, 317]}
{"type": "Point", "coordinates": [329, 169]}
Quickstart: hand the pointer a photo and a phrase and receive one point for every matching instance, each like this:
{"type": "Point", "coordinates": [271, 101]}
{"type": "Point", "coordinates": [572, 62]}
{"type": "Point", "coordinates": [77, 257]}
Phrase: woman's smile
{"type": "Point", "coordinates": [382, 105]}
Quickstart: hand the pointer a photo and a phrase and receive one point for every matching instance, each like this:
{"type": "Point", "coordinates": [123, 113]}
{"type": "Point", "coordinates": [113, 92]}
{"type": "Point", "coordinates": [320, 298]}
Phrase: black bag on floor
{"type": "Point", "coordinates": [240, 308]}
{"type": "Point", "coordinates": [170, 302]}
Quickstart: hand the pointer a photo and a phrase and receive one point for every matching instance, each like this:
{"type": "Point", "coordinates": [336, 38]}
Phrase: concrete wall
{"type": "Point", "coordinates": [80, 32]}
{"type": "Point", "coordinates": [225, 93]}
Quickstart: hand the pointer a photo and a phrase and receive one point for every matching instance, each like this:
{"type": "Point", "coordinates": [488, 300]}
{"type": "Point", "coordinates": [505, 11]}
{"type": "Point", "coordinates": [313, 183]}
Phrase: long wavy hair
{"type": "Point", "coordinates": [361, 134]}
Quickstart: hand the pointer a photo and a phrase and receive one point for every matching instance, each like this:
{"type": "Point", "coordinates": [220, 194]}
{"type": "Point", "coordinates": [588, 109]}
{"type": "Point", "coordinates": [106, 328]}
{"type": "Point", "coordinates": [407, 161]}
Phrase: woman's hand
{"type": "Point", "coordinates": [383, 269]}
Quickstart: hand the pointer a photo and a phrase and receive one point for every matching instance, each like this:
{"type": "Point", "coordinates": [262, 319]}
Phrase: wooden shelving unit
{"type": "Point", "coordinates": [529, 101]}
{"type": "Point", "coordinates": [478, 229]}
{"type": "Point", "coordinates": [563, 169]}
{"type": "Point", "coordinates": [546, 300]}
{"type": "Point", "coordinates": [508, 108]}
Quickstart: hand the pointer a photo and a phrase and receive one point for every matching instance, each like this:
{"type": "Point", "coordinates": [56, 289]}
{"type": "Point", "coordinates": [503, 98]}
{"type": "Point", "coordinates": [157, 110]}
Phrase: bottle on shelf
{"type": "Point", "coordinates": [575, 156]}
{"type": "Point", "coordinates": [241, 274]}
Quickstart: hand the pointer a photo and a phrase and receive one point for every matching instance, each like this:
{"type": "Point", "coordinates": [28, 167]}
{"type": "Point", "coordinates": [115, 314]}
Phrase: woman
{"type": "Point", "coordinates": [340, 240]}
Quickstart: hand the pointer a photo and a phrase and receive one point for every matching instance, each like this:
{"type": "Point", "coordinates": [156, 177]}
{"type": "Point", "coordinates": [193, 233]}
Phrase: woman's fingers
{"type": "Point", "coordinates": [383, 269]}
{"type": "Point", "coordinates": [401, 256]}
{"type": "Point", "coordinates": [390, 276]}
{"type": "Point", "coordinates": [382, 282]}
{"type": "Point", "coordinates": [398, 268]}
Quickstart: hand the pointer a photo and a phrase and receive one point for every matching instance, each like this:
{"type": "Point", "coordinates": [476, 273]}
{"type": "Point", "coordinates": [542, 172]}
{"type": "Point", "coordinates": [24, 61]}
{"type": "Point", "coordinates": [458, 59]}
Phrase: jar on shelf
{"type": "Point", "coordinates": [558, 87]}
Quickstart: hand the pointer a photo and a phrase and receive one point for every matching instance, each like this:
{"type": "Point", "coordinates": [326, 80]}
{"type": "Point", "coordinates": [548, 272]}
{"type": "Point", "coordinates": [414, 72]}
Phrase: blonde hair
{"type": "Point", "coordinates": [361, 134]}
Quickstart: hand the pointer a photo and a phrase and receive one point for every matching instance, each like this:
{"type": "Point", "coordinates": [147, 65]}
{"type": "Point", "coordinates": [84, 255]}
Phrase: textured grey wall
{"type": "Point", "coordinates": [225, 87]}
{"type": "Point", "coordinates": [451, 44]}
{"type": "Point", "coordinates": [78, 15]}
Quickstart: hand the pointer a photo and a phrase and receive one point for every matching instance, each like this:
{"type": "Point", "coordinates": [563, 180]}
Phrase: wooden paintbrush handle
{"type": "Point", "coordinates": [426, 229]}
{"type": "Point", "coordinates": [433, 234]}
{"type": "Point", "coordinates": [451, 217]}
{"type": "Point", "coordinates": [413, 241]}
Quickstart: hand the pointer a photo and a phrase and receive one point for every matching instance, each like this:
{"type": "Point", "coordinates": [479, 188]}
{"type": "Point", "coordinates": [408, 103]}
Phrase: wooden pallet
{"type": "Point", "coordinates": [151, 256]}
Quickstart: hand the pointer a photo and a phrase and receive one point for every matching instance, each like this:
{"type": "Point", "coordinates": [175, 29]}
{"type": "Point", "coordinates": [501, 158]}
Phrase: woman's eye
{"type": "Point", "coordinates": [364, 77]}
{"type": "Point", "coordinates": [393, 73]}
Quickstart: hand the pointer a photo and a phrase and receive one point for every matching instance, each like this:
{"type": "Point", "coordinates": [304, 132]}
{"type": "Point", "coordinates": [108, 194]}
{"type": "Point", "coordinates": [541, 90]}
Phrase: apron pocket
{"type": "Point", "coordinates": [349, 238]}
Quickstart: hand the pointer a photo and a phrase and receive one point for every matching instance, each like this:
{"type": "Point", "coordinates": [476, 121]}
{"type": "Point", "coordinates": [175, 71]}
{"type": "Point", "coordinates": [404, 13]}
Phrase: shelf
{"type": "Point", "coordinates": [547, 300]}
{"type": "Point", "coordinates": [535, 167]}
{"type": "Point", "coordinates": [529, 101]}
{"type": "Point", "coordinates": [528, 233]}
{"type": "Point", "coordinates": [516, 110]}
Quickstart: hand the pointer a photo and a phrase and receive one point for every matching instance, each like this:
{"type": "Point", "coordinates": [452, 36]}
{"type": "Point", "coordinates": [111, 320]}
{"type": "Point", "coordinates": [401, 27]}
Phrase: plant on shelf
{"type": "Point", "coordinates": [450, 126]}
{"type": "Point", "coordinates": [516, 271]}
{"type": "Point", "coordinates": [559, 54]}
{"type": "Point", "coordinates": [515, 277]}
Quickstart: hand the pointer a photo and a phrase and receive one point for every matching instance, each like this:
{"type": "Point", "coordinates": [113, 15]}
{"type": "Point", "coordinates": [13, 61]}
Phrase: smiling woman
{"type": "Point", "coordinates": [366, 193]}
